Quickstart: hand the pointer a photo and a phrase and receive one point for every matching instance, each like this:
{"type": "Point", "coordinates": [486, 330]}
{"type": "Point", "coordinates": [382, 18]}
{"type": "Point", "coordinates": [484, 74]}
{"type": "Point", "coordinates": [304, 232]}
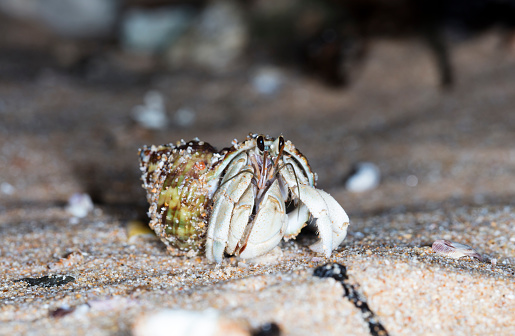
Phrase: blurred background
{"type": "Point", "coordinates": [399, 105]}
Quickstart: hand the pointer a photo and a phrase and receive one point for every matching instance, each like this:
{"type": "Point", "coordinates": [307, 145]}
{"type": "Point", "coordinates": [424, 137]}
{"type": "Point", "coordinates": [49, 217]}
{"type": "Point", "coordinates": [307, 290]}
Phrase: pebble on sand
{"type": "Point", "coordinates": [364, 176]}
{"type": "Point", "coordinates": [152, 114]}
{"type": "Point", "coordinates": [79, 205]}
{"type": "Point", "coordinates": [180, 322]}
{"type": "Point", "coordinates": [136, 229]}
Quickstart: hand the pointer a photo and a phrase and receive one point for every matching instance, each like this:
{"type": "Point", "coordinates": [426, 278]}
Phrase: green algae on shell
{"type": "Point", "coordinates": [177, 183]}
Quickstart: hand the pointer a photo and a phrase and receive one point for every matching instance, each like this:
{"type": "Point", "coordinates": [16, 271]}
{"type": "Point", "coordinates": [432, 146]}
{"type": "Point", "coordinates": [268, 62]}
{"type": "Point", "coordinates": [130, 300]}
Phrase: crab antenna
{"type": "Point", "coordinates": [263, 172]}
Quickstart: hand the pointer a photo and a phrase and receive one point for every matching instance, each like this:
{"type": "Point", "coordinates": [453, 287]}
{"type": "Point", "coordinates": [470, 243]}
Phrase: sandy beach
{"type": "Point", "coordinates": [447, 164]}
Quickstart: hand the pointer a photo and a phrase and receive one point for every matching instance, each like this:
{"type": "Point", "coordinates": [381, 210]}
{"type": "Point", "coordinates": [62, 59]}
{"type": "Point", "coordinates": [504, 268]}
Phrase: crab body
{"type": "Point", "coordinates": [238, 203]}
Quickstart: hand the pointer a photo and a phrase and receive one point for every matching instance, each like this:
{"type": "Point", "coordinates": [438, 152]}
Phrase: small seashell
{"type": "Point", "coordinates": [454, 250]}
{"type": "Point", "coordinates": [79, 205]}
{"type": "Point", "coordinates": [152, 114]}
{"type": "Point", "coordinates": [178, 191]}
{"type": "Point", "coordinates": [363, 177]}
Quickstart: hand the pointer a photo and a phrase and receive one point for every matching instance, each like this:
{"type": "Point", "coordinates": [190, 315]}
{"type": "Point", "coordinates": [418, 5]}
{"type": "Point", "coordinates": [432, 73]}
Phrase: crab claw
{"type": "Point", "coordinates": [333, 216]}
{"type": "Point", "coordinates": [331, 219]}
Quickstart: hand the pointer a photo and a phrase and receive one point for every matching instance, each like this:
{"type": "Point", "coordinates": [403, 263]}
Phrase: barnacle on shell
{"type": "Point", "coordinates": [178, 191]}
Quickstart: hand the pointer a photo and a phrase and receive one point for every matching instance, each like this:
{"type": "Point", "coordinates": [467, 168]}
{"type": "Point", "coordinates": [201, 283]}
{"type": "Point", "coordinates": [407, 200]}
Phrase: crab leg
{"type": "Point", "coordinates": [230, 192]}
{"type": "Point", "coordinates": [241, 214]}
{"type": "Point", "coordinates": [300, 215]}
{"type": "Point", "coordinates": [267, 228]}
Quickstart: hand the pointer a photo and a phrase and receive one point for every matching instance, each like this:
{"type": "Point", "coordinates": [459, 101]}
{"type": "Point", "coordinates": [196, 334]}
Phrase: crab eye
{"type": "Point", "coordinates": [281, 142]}
{"type": "Point", "coordinates": [261, 143]}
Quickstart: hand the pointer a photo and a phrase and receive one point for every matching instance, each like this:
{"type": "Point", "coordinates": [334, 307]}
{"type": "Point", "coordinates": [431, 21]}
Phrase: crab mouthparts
{"type": "Point", "coordinates": [265, 172]}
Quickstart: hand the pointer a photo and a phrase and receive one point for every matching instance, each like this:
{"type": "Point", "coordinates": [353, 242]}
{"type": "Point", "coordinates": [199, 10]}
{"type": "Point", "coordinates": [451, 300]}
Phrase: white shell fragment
{"type": "Point", "coordinates": [152, 114]}
{"type": "Point", "coordinates": [365, 176]}
{"type": "Point", "coordinates": [79, 205]}
{"type": "Point", "coordinates": [454, 250]}
{"type": "Point", "coordinates": [179, 322]}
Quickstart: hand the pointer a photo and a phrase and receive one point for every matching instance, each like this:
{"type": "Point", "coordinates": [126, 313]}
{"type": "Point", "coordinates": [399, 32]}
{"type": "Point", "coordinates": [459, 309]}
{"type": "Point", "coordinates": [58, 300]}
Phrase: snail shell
{"type": "Point", "coordinates": [177, 183]}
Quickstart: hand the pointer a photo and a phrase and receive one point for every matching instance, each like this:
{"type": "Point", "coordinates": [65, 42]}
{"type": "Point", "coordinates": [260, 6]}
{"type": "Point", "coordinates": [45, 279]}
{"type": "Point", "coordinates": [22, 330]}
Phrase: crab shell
{"type": "Point", "coordinates": [174, 177]}
{"type": "Point", "coordinates": [220, 201]}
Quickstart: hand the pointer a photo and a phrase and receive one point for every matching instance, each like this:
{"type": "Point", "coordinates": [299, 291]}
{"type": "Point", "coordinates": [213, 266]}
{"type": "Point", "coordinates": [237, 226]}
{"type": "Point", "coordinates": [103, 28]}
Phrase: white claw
{"type": "Point", "coordinates": [339, 218]}
{"type": "Point", "coordinates": [318, 207]}
{"type": "Point", "coordinates": [331, 219]}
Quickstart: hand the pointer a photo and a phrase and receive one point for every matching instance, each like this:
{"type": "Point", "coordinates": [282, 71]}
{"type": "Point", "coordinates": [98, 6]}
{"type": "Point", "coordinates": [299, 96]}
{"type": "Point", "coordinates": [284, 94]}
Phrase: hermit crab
{"type": "Point", "coordinates": [241, 200]}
